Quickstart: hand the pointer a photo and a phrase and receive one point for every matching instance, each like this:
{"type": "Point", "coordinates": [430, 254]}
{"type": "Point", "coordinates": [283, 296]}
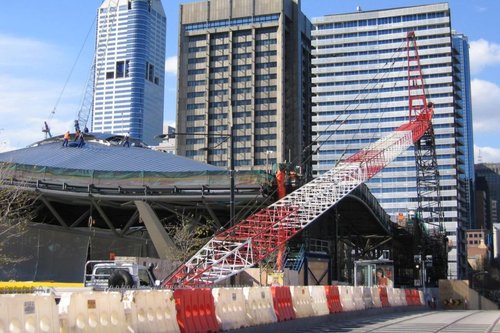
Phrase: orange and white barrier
{"type": "Point", "coordinates": [318, 300]}
{"type": "Point", "coordinates": [195, 310]}
{"type": "Point", "coordinates": [259, 305]}
{"type": "Point", "coordinates": [230, 308]}
{"type": "Point", "coordinates": [28, 313]}
{"type": "Point", "coordinates": [92, 312]}
{"type": "Point", "coordinates": [333, 299]}
{"type": "Point", "coordinates": [150, 311]}
{"type": "Point", "coordinates": [282, 301]}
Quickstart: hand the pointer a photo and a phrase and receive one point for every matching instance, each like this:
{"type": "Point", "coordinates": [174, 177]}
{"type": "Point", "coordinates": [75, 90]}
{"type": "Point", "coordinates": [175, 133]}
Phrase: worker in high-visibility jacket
{"type": "Point", "coordinates": [280, 181]}
{"type": "Point", "coordinates": [66, 138]}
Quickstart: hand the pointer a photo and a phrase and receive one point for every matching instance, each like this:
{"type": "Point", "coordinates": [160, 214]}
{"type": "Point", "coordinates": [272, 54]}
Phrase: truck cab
{"type": "Point", "coordinates": [103, 274]}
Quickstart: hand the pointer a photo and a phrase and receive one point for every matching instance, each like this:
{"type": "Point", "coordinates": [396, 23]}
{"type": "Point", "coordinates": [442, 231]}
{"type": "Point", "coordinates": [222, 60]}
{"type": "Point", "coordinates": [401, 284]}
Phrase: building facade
{"type": "Point", "coordinates": [360, 94]}
{"type": "Point", "coordinates": [130, 69]}
{"type": "Point", "coordinates": [488, 175]}
{"type": "Point", "coordinates": [464, 133]}
{"type": "Point", "coordinates": [244, 83]}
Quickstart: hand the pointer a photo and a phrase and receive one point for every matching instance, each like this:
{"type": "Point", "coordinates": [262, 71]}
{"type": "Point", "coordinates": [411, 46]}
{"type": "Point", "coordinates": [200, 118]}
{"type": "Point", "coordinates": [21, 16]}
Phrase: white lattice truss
{"type": "Point", "coordinates": [253, 239]}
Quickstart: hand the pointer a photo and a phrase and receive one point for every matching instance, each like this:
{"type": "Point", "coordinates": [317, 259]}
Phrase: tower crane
{"type": "Point", "coordinates": [256, 237]}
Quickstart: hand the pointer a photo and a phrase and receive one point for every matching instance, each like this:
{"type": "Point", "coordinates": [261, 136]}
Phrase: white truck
{"type": "Point", "coordinates": [103, 274]}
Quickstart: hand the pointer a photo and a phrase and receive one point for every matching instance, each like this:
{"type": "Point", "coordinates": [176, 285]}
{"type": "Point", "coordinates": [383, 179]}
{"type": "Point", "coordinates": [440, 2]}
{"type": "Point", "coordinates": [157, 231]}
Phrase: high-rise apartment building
{"type": "Point", "coordinates": [130, 68]}
{"type": "Point", "coordinates": [244, 65]}
{"type": "Point", "coordinates": [360, 94]}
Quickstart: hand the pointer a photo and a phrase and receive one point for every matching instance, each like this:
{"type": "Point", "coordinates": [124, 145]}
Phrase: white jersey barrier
{"type": "Point", "coordinates": [347, 298]}
{"type": "Point", "coordinates": [28, 313]}
{"type": "Point", "coordinates": [393, 300]}
{"type": "Point", "coordinates": [259, 305]}
{"type": "Point", "coordinates": [150, 311]}
{"type": "Point", "coordinates": [367, 298]}
{"type": "Point", "coordinates": [422, 298]}
{"type": "Point", "coordinates": [402, 297]}
{"type": "Point", "coordinates": [301, 299]}
{"type": "Point", "coordinates": [377, 303]}
{"type": "Point", "coordinates": [230, 308]}
{"type": "Point", "coordinates": [318, 299]}
{"type": "Point", "coordinates": [359, 302]}
{"type": "Point", "coordinates": [92, 312]}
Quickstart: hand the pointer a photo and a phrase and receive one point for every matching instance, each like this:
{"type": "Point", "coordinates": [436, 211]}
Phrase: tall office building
{"type": "Point", "coordinates": [130, 69]}
{"type": "Point", "coordinates": [360, 94]}
{"type": "Point", "coordinates": [464, 133]}
{"type": "Point", "coordinates": [244, 65]}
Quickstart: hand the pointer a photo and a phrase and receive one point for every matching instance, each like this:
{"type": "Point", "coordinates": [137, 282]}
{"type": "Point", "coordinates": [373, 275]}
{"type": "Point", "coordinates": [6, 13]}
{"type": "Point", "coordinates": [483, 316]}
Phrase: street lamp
{"type": "Point", "coordinates": [268, 152]}
{"type": "Point", "coordinates": [229, 138]}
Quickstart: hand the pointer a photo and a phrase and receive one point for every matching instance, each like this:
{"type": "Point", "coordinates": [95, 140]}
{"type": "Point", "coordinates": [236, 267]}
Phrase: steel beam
{"type": "Point", "coordinates": [161, 240]}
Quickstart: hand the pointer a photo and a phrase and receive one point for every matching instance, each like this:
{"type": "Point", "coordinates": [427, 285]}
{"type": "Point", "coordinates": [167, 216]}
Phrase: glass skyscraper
{"type": "Point", "coordinates": [130, 69]}
{"type": "Point", "coordinates": [360, 94]}
{"type": "Point", "coordinates": [463, 107]}
{"type": "Point", "coordinates": [244, 65]}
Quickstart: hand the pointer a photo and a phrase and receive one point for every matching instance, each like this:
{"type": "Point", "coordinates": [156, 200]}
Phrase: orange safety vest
{"type": "Point", "coordinates": [280, 181]}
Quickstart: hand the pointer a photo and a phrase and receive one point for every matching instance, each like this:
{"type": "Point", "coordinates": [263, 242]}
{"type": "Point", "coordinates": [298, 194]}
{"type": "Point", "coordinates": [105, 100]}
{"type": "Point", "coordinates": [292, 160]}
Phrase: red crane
{"type": "Point", "coordinates": [253, 239]}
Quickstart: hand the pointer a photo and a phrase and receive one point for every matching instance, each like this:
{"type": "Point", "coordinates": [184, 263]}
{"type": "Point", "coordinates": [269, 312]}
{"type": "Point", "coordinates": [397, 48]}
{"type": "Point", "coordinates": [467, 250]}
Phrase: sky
{"type": "Point", "coordinates": [46, 51]}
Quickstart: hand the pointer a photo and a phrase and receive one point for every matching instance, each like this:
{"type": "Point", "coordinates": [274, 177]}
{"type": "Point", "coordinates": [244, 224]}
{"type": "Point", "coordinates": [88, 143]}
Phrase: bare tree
{"type": "Point", "coordinates": [15, 212]}
{"type": "Point", "coordinates": [188, 236]}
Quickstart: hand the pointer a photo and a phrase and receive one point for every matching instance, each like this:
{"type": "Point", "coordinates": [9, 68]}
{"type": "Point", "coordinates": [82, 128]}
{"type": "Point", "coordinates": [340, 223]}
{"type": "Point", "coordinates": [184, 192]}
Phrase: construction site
{"type": "Point", "coordinates": [104, 200]}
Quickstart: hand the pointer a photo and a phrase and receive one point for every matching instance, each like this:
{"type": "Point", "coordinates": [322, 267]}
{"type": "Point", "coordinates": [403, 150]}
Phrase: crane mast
{"type": "Point", "coordinates": [256, 237]}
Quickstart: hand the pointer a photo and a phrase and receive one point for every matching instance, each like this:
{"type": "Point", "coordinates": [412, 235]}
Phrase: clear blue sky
{"type": "Point", "coordinates": [40, 43]}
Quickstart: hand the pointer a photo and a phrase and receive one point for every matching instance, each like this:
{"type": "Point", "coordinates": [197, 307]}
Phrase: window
{"type": "Point", "coordinates": [150, 72]}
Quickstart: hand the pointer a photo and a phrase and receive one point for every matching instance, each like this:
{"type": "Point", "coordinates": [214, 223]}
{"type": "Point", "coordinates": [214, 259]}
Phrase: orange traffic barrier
{"type": "Point", "coordinates": [282, 301]}
{"type": "Point", "coordinates": [409, 297]}
{"type": "Point", "coordinates": [416, 297]}
{"type": "Point", "coordinates": [195, 310]}
{"type": "Point", "coordinates": [384, 298]}
{"type": "Point", "coordinates": [333, 299]}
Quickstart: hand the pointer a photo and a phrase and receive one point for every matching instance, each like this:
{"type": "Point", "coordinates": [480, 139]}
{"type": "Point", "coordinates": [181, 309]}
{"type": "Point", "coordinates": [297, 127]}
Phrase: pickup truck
{"type": "Point", "coordinates": [103, 274]}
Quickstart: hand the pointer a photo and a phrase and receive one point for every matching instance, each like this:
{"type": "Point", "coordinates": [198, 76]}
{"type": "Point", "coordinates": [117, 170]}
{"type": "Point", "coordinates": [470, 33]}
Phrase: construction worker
{"type": "Point", "coordinates": [280, 181]}
{"type": "Point", "coordinates": [81, 141]}
{"type": "Point", "coordinates": [66, 138]}
{"type": "Point", "coordinates": [126, 142]}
